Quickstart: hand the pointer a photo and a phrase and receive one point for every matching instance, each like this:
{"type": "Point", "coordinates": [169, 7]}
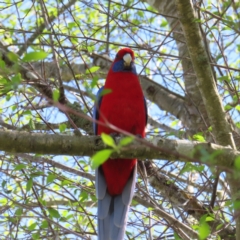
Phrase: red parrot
{"type": "Point", "coordinates": [124, 107]}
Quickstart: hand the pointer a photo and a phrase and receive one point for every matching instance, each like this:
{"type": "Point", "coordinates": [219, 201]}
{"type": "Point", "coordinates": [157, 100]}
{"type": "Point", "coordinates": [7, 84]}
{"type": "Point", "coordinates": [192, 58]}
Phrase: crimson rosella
{"type": "Point", "coordinates": [124, 107]}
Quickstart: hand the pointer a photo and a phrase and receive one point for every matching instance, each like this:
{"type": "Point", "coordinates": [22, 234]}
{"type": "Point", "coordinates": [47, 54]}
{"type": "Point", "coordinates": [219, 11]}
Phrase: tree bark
{"type": "Point", "coordinates": [212, 101]}
{"type": "Point", "coordinates": [157, 148]}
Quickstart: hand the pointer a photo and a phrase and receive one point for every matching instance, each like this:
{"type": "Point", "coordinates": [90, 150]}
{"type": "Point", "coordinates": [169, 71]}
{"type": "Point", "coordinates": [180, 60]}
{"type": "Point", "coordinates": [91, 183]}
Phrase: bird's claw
{"type": "Point", "coordinates": [114, 134]}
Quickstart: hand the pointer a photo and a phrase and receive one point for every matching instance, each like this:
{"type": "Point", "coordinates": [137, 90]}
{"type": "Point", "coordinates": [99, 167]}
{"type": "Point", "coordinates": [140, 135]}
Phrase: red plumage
{"type": "Point", "coordinates": [124, 108]}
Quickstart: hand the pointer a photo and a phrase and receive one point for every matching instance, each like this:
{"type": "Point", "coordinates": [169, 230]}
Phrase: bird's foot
{"type": "Point", "coordinates": [114, 134]}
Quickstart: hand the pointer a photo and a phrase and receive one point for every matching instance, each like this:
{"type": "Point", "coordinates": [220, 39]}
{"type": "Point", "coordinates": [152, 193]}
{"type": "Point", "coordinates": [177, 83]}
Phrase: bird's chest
{"type": "Point", "coordinates": [123, 112]}
{"type": "Point", "coordinates": [124, 108]}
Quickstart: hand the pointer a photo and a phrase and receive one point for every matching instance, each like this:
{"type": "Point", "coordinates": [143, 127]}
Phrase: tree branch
{"type": "Point", "coordinates": [206, 83]}
{"type": "Point", "coordinates": [157, 148]}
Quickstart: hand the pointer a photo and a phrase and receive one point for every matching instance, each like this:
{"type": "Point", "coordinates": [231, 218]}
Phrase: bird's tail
{"type": "Point", "coordinates": [112, 210]}
{"type": "Point", "coordinates": [112, 227]}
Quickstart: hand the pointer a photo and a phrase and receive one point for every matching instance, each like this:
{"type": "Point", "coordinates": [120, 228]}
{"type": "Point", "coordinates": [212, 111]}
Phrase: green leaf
{"type": "Point", "coordinates": [19, 167]}
{"type": "Point", "coordinates": [174, 123]}
{"type": "Point", "coordinates": [92, 69]}
{"type": "Point", "coordinates": [197, 20]}
{"type": "Point", "coordinates": [228, 203]}
{"type": "Point", "coordinates": [42, 201]}
{"type": "Point", "coordinates": [224, 78]}
{"type": "Point", "coordinates": [176, 237]}
{"type": "Point", "coordinates": [238, 47]}
{"type": "Point", "coordinates": [125, 141]}
{"type": "Point", "coordinates": [203, 230]}
{"type": "Point", "coordinates": [62, 127]}
{"type": "Point", "coordinates": [199, 137]}
{"type": "Point", "coordinates": [83, 196]}
{"type": "Point", "coordinates": [29, 184]}
{"type": "Point", "coordinates": [36, 236]}
{"type": "Point", "coordinates": [209, 219]}
{"type": "Point", "coordinates": [44, 224]}
{"type": "Point", "coordinates": [100, 157]}
{"type": "Point", "coordinates": [140, 14]}
{"type": "Point", "coordinates": [227, 107]}
{"type": "Point", "coordinates": [51, 178]}
{"type": "Point", "coordinates": [108, 140]}
{"type": "Point", "coordinates": [3, 81]}
{"type": "Point", "coordinates": [4, 182]}
{"type": "Point", "coordinates": [189, 167]}
{"type": "Point", "coordinates": [210, 129]}
{"type": "Point", "coordinates": [71, 25]}
{"type": "Point", "coordinates": [94, 82]}
{"type": "Point", "coordinates": [237, 162]}
{"type": "Point", "coordinates": [219, 226]}
{"type": "Point", "coordinates": [238, 124]}
{"type": "Point", "coordinates": [54, 213]}
{"type": "Point", "coordinates": [15, 81]}
{"type": "Point", "coordinates": [32, 226]}
{"type": "Point", "coordinates": [56, 95]}
{"type": "Point", "coordinates": [19, 212]}
{"type": "Point", "coordinates": [150, 208]}
{"type": "Point", "coordinates": [237, 108]}
{"type": "Point", "coordinates": [66, 182]}
{"type": "Point", "coordinates": [63, 219]}
{"type": "Point", "coordinates": [164, 23]}
{"type": "Point", "coordinates": [2, 64]}
{"type": "Point", "coordinates": [13, 220]}
{"type": "Point", "coordinates": [90, 48]}
{"type": "Point", "coordinates": [27, 112]}
{"type": "Point", "coordinates": [8, 97]}
{"type": "Point", "coordinates": [12, 56]}
{"type": "Point", "coordinates": [236, 205]}
{"type": "Point", "coordinates": [31, 124]}
{"type": "Point", "coordinates": [36, 174]}
{"type": "Point", "coordinates": [35, 56]}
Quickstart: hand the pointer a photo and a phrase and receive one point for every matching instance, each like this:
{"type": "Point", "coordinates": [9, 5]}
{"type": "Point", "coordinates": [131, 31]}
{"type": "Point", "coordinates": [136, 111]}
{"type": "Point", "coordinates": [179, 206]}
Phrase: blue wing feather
{"type": "Point", "coordinates": [146, 109]}
{"type": "Point", "coordinates": [96, 108]}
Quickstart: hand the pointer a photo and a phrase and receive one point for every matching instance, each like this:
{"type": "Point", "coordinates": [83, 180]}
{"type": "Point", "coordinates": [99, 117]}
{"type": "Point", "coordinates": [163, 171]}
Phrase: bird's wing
{"type": "Point", "coordinates": [104, 199]}
{"type": "Point", "coordinates": [146, 109]}
{"type": "Point", "coordinates": [104, 209]}
{"type": "Point", "coordinates": [96, 109]}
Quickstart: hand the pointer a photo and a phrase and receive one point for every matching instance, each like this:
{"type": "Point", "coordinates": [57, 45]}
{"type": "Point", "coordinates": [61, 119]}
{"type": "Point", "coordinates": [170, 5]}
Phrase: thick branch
{"type": "Point", "coordinates": [157, 148]}
{"type": "Point", "coordinates": [197, 112]}
{"type": "Point", "coordinates": [205, 79]}
{"type": "Point", "coordinates": [218, 120]}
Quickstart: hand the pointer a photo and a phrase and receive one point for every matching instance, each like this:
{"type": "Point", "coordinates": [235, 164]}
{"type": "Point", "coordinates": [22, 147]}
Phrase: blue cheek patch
{"type": "Point", "coordinates": [119, 67]}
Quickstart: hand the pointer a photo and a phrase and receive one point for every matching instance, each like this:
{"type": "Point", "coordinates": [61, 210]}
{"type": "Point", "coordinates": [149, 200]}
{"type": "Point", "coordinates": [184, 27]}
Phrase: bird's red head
{"type": "Point", "coordinates": [124, 61]}
{"type": "Point", "coordinates": [122, 52]}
